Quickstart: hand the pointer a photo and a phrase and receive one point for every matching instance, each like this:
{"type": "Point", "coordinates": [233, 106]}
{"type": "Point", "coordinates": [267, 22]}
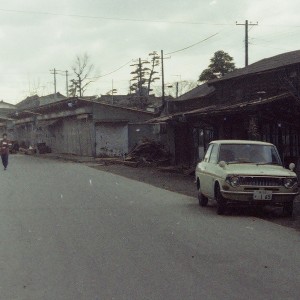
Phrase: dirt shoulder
{"type": "Point", "coordinates": [174, 182]}
{"type": "Point", "coordinates": [184, 184]}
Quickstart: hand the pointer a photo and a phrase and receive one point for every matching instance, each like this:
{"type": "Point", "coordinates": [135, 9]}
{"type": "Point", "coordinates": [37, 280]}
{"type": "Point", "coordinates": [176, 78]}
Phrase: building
{"type": "Point", "coordinates": [78, 126]}
{"type": "Point", "coordinates": [260, 102]}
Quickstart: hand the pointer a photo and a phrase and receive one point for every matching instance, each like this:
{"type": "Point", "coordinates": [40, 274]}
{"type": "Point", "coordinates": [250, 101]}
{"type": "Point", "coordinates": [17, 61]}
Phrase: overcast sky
{"type": "Point", "coordinates": [38, 35]}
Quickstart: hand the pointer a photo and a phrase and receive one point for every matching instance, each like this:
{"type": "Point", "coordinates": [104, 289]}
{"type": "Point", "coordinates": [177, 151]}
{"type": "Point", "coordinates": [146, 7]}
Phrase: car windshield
{"type": "Point", "coordinates": [249, 153]}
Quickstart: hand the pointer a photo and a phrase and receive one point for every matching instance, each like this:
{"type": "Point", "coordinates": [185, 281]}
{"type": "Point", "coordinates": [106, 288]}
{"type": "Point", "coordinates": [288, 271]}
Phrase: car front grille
{"type": "Point", "coordinates": [260, 181]}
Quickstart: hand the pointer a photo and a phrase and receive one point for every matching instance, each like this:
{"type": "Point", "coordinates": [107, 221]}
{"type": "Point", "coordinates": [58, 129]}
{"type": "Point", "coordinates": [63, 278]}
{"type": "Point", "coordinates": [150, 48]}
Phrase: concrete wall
{"type": "Point", "coordinates": [162, 133]}
{"type": "Point", "coordinates": [111, 139]}
{"type": "Point", "coordinates": [138, 132]}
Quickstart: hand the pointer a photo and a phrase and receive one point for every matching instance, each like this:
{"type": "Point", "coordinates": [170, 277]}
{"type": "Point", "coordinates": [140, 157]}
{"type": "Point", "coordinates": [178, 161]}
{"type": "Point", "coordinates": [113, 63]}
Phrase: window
{"type": "Point", "coordinates": [207, 154]}
{"type": "Point", "coordinates": [214, 154]}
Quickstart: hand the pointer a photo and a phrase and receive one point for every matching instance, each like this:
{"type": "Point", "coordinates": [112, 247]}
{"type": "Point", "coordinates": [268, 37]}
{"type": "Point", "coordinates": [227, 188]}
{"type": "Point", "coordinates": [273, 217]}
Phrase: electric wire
{"type": "Point", "coordinates": [119, 68]}
{"type": "Point", "coordinates": [185, 48]}
{"type": "Point", "coordinates": [112, 18]}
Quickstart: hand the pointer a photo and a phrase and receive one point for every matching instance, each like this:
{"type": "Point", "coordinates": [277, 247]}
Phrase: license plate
{"type": "Point", "coordinates": [262, 195]}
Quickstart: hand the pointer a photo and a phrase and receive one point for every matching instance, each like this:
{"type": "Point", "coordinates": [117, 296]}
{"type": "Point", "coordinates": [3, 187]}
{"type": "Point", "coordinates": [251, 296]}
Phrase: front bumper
{"type": "Point", "coordinates": [247, 197]}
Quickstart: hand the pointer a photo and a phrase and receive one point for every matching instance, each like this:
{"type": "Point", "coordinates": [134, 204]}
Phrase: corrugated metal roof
{"type": "Point", "coordinates": [46, 123]}
{"type": "Point", "coordinates": [217, 109]}
{"type": "Point", "coordinates": [76, 102]}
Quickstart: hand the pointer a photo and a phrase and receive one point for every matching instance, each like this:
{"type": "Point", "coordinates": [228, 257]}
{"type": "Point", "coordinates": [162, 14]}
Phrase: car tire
{"type": "Point", "coordinates": [288, 209]}
{"type": "Point", "coordinates": [202, 199]}
{"type": "Point", "coordinates": [221, 202]}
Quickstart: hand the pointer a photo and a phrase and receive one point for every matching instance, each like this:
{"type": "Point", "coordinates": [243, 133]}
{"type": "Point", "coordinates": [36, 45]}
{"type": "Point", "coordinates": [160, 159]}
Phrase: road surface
{"type": "Point", "coordinates": [68, 231]}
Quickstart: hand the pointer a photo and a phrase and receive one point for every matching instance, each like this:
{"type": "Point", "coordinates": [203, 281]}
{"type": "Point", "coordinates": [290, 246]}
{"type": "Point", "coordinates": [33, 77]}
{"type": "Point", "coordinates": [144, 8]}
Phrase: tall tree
{"type": "Point", "coordinates": [154, 61]}
{"type": "Point", "coordinates": [144, 76]}
{"type": "Point", "coordinates": [82, 69]}
{"type": "Point", "coordinates": [220, 64]}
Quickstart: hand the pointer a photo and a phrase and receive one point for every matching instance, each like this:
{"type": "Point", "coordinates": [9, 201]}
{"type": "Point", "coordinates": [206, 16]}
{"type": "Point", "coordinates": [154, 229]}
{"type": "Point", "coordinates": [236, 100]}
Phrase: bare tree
{"type": "Point", "coordinates": [82, 69]}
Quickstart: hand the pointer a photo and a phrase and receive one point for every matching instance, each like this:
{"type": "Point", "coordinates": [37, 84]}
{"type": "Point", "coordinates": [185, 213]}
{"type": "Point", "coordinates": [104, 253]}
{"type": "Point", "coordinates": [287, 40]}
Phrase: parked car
{"type": "Point", "coordinates": [239, 172]}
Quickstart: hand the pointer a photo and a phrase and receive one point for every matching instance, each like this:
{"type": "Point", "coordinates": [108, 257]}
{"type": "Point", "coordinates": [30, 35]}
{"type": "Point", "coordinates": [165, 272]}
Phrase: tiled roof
{"type": "Point", "coordinates": [267, 64]}
{"type": "Point", "coordinates": [199, 91]}
{"type": "Point", "coordinates": [35, 101]}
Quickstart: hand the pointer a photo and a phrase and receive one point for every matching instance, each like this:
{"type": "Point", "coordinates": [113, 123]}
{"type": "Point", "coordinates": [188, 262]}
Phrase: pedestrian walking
{"type": "Point", "coordinates": [4, 148]}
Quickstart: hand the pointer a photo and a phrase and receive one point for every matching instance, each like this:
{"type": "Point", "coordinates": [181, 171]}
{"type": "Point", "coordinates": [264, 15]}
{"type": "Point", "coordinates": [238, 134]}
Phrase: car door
{"type": "Point", "coordinates": [202, 171]}
{"type": "Point", "coordinates": [212, 170]}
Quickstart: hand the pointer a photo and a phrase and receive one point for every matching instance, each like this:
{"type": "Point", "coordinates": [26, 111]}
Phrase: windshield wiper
{"type": "Point", "coordinates": [239, 162]}
{"type": "Point", "coordinates": [269, 163]}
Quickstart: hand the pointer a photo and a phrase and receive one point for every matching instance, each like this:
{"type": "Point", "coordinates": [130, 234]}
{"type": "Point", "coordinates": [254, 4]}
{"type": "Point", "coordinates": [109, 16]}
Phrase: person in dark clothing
{"type": "Point", "coordinates": [4, 149]}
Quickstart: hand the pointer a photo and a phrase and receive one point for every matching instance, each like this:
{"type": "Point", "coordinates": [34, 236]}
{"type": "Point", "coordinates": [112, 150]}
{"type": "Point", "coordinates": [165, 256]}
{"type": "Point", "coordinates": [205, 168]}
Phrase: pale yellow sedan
{"type": "Point", "coordinates": [240, 172]}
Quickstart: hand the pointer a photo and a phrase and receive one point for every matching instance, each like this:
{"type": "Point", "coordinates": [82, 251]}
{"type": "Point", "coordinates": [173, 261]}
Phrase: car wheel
{"type": "Point", "coordinates": [288, 209]}
{"type": "Point", "coordinates": [221, 202]}
{"type": "Point", "coordinates": [202, 199]}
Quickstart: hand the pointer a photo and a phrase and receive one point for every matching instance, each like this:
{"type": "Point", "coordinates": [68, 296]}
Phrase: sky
{"type": "Point", "coordinates": [37, 36]}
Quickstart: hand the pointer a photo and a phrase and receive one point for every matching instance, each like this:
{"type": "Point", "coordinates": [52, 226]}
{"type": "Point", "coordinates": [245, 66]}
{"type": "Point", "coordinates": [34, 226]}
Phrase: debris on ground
{"type": "Point", "coordinates": [149, 152]}
{"type": "Point", "coordinates": [170, 169]}
{"type": "Point", "coordinates": [27, 151]}
{"type": "Point", "coordinates": [109, 160]}
{"type": "Point", "coordinates": [43, 148]}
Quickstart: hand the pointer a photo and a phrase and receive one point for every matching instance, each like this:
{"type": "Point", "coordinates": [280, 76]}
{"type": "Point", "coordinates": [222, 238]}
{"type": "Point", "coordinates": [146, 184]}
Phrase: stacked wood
{"type": "Point", "coordinates": [149, 152]}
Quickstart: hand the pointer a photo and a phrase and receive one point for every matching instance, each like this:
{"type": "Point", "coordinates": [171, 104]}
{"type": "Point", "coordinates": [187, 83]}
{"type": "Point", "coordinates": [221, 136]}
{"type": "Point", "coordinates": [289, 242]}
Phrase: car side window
{"type": "Point", "coordinates": [207, 154]}
{"type": "Point", "coordinates": [214, 154]}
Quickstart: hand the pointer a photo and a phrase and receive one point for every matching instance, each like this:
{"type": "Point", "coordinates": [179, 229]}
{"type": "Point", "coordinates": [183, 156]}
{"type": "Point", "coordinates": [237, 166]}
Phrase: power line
{"type": "Point", "coordinates": [97, 77]}
{"type": "Point", "coordinates": [185, 48]}
{"type": "Point", "coordinates": [112, 18]}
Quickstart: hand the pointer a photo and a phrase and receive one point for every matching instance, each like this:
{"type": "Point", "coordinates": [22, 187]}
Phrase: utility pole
{"type": "Point", "coordinates": [54, 73]}
{"type": "Point", "coordinates": [67, 84]}
{"type": "Point", "coordinates": [140, 77]}
{"type": "Point", "coordinates": [246, 24]}
{"type": "Point", "coordinates": [112, 91]}
{"type": "Point", "coordinates": [163, 80]}
{"type": "Point", "coordinates": [59, 72]}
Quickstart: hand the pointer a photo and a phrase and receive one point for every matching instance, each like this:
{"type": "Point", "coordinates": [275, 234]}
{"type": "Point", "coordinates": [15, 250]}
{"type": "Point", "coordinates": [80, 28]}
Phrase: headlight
{"type": "Point", "coordinates": [290, 182]}
{"type": "Point", "coordinates": [233, 180]}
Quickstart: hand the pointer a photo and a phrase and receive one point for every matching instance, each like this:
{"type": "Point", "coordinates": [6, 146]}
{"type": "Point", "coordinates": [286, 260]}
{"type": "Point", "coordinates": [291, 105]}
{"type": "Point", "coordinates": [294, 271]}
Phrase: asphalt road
{"type": "Point", "coordinates": [68, 231]}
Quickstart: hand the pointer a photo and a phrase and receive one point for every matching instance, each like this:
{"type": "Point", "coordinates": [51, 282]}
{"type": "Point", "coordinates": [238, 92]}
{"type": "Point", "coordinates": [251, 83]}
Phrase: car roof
{"type": "Point", "coordinates": [245, 142]}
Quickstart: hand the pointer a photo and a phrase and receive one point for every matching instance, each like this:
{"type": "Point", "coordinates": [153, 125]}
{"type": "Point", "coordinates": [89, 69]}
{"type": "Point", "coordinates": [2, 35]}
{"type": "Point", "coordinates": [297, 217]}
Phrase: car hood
{"type": "Point", "coordinates": [258, 170]}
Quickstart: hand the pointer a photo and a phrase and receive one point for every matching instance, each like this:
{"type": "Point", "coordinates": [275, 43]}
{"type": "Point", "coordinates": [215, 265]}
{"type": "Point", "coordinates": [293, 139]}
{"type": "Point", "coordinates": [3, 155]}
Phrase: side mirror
{"type": "Point", "coordinates": [222, 164]}
{"type": "Point", "coordinates": [292, 166]}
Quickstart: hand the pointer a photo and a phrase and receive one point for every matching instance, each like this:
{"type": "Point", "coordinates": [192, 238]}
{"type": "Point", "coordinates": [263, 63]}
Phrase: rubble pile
{"type": "Point", "coordinates": [148, 152]}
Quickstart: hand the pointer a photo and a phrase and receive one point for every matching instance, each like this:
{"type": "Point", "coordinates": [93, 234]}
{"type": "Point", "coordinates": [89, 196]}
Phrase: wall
{"type": "Point", "coordinates": [111, 139]}
{"type": "Point", "coordinates": [67, 135]}
{"type": "Point", "coordinates": [71, 135]}
{"type": "Point", "coordinates": [25, 134]}
{"type": "Point", "coordinates": [137, 132]}
{"type": "Point", "coordinates": [255, 86]}
{"type": "Point", "coordinates": [161, 132]}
